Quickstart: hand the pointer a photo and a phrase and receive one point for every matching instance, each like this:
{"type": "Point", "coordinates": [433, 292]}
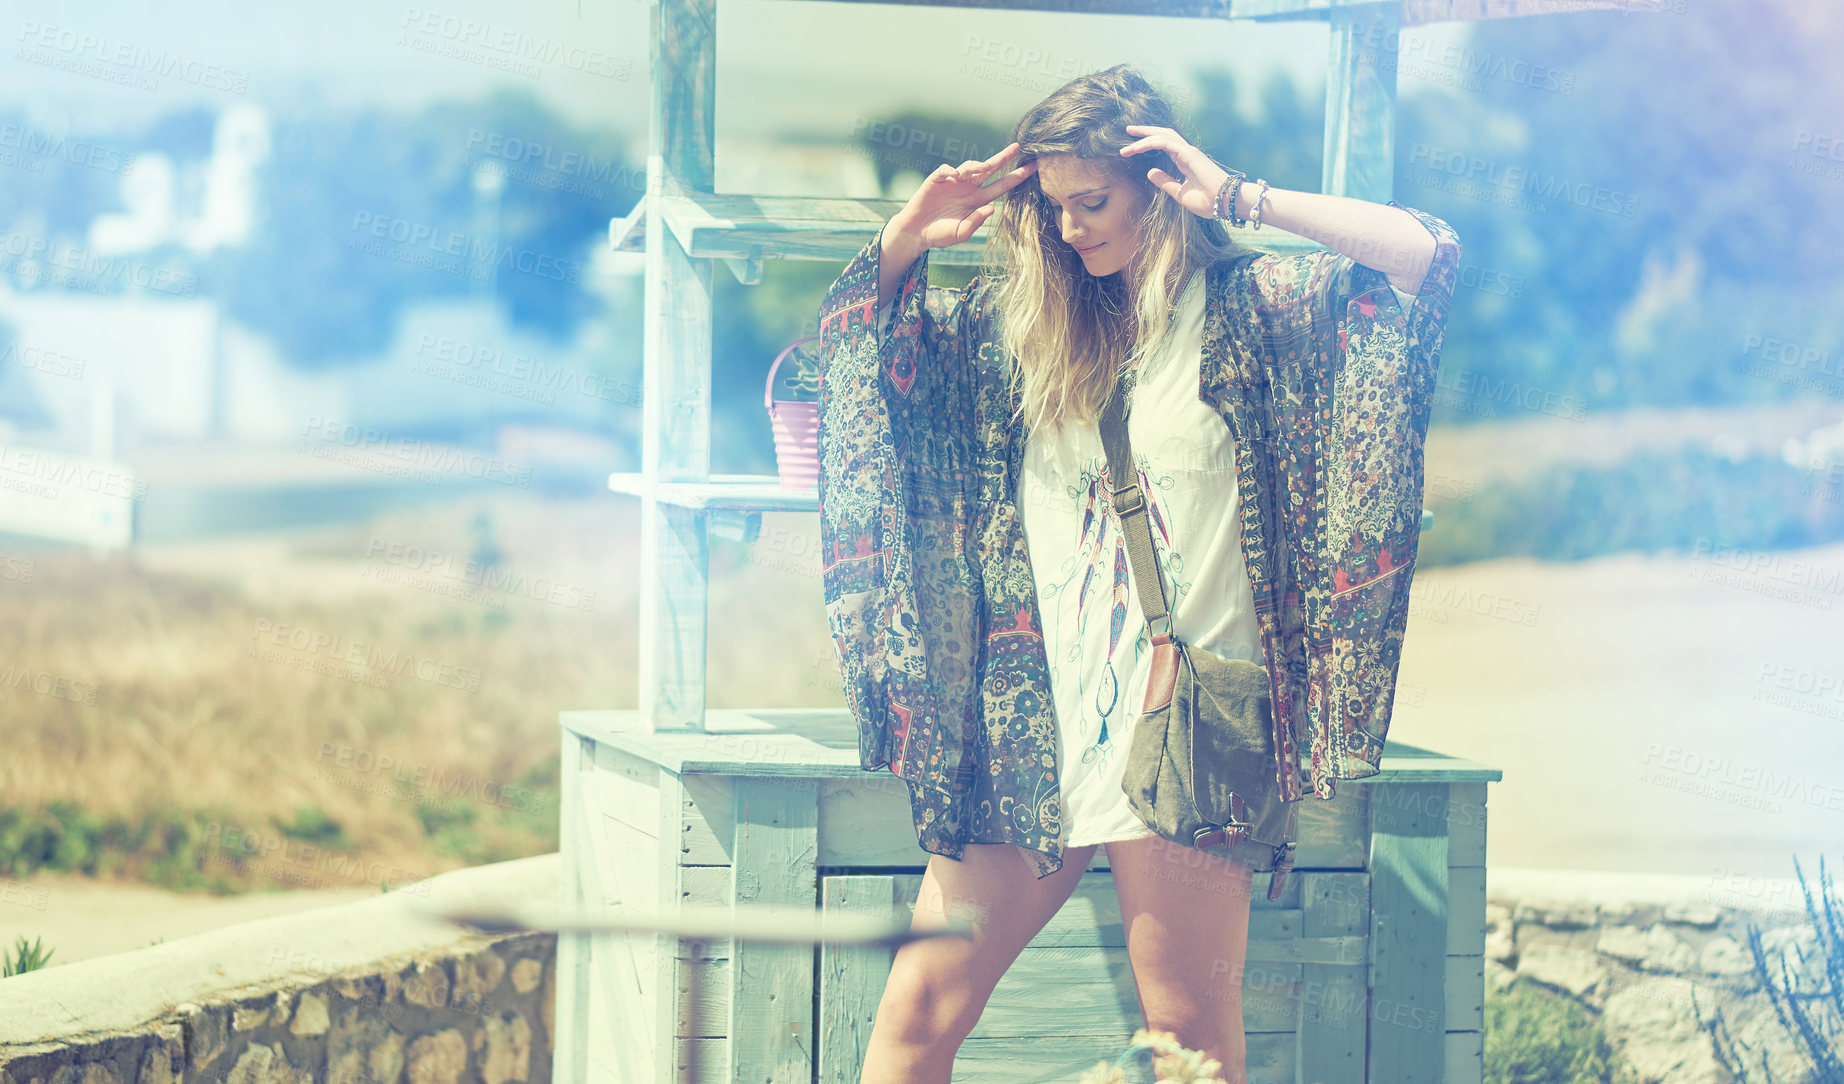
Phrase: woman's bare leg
{"type": "Point", "coordinates": [939, 987]}
{"type": "Point", "coordinates": [1186, 914]}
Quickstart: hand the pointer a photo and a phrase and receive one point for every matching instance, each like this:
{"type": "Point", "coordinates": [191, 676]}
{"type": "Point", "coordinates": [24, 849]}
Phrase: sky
{"type": "Point", "coordinates": [783, 65]}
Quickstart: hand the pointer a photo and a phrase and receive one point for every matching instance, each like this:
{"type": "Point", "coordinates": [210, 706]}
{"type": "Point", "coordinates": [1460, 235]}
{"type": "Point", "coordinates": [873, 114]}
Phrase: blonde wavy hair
{"type": "Point", "coordinates": [1069, 330]}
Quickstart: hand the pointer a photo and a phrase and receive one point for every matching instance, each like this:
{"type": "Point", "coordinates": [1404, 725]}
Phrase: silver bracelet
{"type": "Point", "coordinates": [1261, 193]}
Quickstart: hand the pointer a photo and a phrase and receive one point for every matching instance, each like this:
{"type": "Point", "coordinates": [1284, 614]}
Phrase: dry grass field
{"type": "Point", "coordinates": [331, 707]}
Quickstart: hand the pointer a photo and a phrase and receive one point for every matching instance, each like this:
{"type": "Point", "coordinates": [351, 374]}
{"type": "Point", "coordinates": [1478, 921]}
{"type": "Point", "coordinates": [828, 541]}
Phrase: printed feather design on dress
{"type": "Point", "coordinates": [1159, 522]}
{"type": "Point", "coordinates": [1119, 616]}
{"type": "Point", "coordinates": [1089, 549]}
{"type": "Point", "coordinates": [1108, 694]}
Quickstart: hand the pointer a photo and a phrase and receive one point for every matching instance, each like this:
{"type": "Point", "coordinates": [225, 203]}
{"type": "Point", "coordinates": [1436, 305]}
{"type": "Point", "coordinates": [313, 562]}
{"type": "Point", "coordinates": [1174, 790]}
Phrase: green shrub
{"type": "Point", "coordinates": [312, 825]}
{"type": "Point", "coordinates": [1653, 501]}
{"type": "Point", "coordinates": [24, 957]}
{"type": "Point", "coordinates": [1535, 1036]}
{"type": "Point", "coordinates": [168, 847]}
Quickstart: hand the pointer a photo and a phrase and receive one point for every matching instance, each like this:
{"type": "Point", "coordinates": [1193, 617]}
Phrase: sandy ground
{"type": "Point", "coordinates": [1650, 714]}
{"type": "Point", "coordinates": [77, 917]}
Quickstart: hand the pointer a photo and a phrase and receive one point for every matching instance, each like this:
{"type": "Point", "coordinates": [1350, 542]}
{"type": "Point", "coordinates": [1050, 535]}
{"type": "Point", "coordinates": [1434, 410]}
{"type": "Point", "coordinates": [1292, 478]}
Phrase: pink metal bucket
{"type": "Point", "coordinates": [797, 429]}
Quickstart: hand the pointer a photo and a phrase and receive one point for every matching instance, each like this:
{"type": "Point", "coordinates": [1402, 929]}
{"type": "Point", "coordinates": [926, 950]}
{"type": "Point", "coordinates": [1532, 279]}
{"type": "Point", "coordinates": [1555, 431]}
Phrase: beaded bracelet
{"type": "Point", "coordinates": [1255, 210]}
{"type": "Point", "coordinates": [1234, 177]}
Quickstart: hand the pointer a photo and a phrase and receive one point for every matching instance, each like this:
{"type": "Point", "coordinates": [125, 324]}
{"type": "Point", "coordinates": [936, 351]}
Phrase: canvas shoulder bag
{"type": "Point", "coordinates": [1202, 768]}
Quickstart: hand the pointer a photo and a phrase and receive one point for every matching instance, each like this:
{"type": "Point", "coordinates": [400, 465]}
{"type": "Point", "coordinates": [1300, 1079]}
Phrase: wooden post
{"type": "Point", "coordinates": [775, 862]}
{"type": "Point", "coordinates": [1360, 102]}
{"type": "Point", "coordinates": [1409, 889]}
{"type": "Point", "coordinates": [1333, 997]}
{"type": "Point", "coordinates": [1465, 1023]}
{"type": "Point", "coordinates": [852, 979]}
{"type": "Point", "coordinates": [676, 407]}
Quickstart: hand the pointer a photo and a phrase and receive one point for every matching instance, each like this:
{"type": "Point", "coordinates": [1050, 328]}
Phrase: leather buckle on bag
{"type": "Point", "coordinates": [1219, 835]}
{"type": "Point", "coordinates": [1128, 499]}
{"type": "Point", "coordinates": [1283, 862]}
{"type": "Point", "coordinates": [1163, 635]}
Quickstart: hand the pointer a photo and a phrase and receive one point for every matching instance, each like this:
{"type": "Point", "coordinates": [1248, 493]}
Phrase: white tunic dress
{"type": "Point", "coordinates": [1095, 631]}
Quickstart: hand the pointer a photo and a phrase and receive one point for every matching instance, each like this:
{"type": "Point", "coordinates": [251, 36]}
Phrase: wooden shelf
{"type": "Point", "coordinates": [744, 227]}
{"type": "Point", "coordinates": [751, 493]}
{"type": "Point", "coordinates": [746, 230]}
{"type": "Point", "coordinates": [723, 493]}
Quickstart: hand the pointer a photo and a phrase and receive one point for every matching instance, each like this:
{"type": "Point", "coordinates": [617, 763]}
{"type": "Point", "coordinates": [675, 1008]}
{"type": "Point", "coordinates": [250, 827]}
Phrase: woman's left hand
{"type": "Point", "coordinates": [1197, 193]}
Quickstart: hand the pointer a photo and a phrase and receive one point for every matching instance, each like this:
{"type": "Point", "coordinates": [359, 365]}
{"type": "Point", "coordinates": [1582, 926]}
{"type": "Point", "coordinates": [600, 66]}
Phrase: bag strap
{"type": "Point", "coordinates": [1130, 508]}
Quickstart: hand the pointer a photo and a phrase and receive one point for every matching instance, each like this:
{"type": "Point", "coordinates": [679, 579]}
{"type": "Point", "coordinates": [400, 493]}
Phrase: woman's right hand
{"type": "Point", "coordinates": [951, 204]}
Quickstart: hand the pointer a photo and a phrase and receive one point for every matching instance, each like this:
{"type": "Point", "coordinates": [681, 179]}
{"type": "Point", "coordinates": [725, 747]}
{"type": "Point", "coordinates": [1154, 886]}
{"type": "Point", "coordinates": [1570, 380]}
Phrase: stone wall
{"type": "Point", "coordinates": [482, 1015]}
{"type": "Point", "coordinates": [373, 992]}
{"type": "Point", "coordinates": [377, 993]}
{"type": "Point", "coordinates": [1653, 956]}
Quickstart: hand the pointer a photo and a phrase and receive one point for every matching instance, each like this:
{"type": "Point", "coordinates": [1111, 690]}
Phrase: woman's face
{"type": "Point", "coordinates": [1097, 215]}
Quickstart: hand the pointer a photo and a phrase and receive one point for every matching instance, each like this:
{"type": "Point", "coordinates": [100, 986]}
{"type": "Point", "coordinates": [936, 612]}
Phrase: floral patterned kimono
{"type": "Point", "coordinates": [1326, 384]}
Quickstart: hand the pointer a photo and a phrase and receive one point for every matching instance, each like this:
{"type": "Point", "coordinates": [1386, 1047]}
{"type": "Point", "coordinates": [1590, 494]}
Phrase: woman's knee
{"type": "Point", "coordinates": [931, 998]}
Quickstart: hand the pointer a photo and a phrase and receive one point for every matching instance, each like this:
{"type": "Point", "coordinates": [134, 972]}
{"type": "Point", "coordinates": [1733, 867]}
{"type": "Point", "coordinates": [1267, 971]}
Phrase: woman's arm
{"type": "Point", "coordinates": [1388, 239]}
{"type": "Point", "coordinates": [899, 247]}
{"type": "Point", "coordinates": [948, 208]}
{"type": "Point", "coordinates": [1383, 238]}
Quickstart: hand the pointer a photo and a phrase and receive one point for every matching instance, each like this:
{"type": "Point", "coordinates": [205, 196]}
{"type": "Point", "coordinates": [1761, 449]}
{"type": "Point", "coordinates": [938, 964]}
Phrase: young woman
{"type": "Point", "coordinates": [975, 575]}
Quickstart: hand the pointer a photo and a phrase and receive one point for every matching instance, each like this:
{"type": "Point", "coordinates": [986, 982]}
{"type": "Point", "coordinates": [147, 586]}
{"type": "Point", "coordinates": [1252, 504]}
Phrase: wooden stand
{"type": "Point", "coordinates": [1372, 960]}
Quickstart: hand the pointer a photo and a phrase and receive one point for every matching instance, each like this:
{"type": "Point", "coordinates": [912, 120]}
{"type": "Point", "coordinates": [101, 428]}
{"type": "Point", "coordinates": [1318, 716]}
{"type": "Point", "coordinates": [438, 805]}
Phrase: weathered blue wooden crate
{"type": "Point", "coordinates": [1369, 966]}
